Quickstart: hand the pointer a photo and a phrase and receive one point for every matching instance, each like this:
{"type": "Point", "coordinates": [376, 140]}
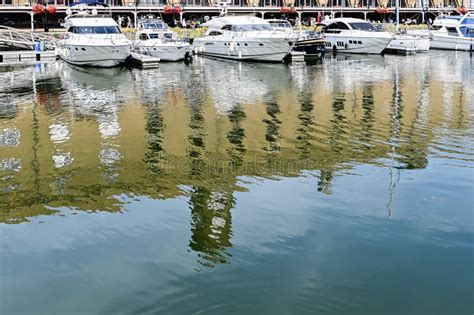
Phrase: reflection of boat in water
{"type": "Point", "coordinates": [243, 83]}
{"type": "Point", "coordinates": [95, 78]}
{"type": "Point", "coordinates": [234, 120]}
{"type": "Point", "coordinates": [352, 71]}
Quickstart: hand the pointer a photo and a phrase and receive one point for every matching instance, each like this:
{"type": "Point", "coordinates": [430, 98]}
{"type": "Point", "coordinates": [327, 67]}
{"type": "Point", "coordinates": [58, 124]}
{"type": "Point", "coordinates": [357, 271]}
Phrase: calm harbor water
{"type": "Point", "coordinates": [344, 187]}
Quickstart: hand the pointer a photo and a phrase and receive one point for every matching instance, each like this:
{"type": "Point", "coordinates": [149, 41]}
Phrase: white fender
{"type": "Point", "coordinates": [232, 47]}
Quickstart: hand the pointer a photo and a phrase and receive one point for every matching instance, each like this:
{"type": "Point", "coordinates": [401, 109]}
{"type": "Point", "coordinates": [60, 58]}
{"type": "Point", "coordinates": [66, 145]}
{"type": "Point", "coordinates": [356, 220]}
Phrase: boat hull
{"type": "Point", "coordinates": [275, 57]}
{"type": "Point", "coordinates": [93, 55]}
{"type": "Point", "coordinates": [311, 47]}
{"type": "Point", "coordinates": [452, 43]}
{"type": "Point", "coordinates": [441, 40]}
{"type": "Point", "coordinates": [251, 49]}
{"type": "Point", "coordinates": [357, 44]}
{"type": "Point", "coordinates": [409, 44]}
{"type": "Point", "coordinates": [166, 52]}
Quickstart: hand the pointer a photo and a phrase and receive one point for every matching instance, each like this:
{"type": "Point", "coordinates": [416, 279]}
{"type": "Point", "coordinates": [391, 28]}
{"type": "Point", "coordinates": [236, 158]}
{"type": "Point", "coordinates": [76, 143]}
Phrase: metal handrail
{"type": "Point", "coordinates": [20, 38]}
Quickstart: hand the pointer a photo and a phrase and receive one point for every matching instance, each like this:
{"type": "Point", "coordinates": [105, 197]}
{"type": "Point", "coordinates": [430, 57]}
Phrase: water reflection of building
{"type": "Point", "coordinates": [172, 138]}
{"type": "Point", "coordinates": [210, 224]}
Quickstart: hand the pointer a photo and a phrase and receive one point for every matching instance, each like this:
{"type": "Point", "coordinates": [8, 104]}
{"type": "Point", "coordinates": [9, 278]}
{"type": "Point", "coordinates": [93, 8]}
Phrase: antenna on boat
{"type": "Point", "coordinates": [397, 10]}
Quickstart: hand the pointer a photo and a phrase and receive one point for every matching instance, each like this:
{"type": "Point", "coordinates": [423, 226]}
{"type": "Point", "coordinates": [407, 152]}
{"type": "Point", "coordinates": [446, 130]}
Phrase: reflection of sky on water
{"type": "Point", "coordinates": [59, 133]}
{"type": "Point", "coordinates": [11, 164]}
{"type": "Point", "coordinates": [149, 244]}
{"type": "Point", "coordinates": [109, 156]}
{"type": "Point", "coordinates": [9, 137]}
{"type": "Point", "coordinates": [62, 160]}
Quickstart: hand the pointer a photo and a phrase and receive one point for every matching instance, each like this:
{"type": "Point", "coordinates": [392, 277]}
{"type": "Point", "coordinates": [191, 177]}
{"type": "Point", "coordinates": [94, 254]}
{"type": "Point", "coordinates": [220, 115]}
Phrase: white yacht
{"type": "Point", "coordinates": [154, 38]}
{"type": "Point", "coordinates": [244, 38]}
{"type": "Point", "coordinates": [355, 36]}
{"type": "Point", "coordinates": [405, 43]}
{"type": "Point", "coordinates": [92, 40]}
{"type": "Point", "coordinates": [451, 32]}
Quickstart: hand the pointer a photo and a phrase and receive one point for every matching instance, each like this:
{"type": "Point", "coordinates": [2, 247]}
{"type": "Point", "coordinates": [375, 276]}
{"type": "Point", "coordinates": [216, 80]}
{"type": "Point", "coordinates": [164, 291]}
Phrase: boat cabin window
{"type": "Point", "coordinates": [468, 20]}
{"type": "Point", "coordinates": [154, 26]}
{"type": "Point", "coordinates": [95, 30]}
{"type": "Point", "coordinates": [251, 27]}
{"type": "Point", "coordinates": [452, 31]}
{"type": "Point", "coordinates": [336, 27]}
{"type": "Point", "coordinates": [226, 27]}
{"type": "Point", "coordinates": [436, 27]}
{"type": "Point", "coordinates": [214, 33]}
{"type": "Point", "coordinates": [143, 36]}
{"type": "Point", "coordinates": [280, 24]}
{"type": "Point", "coordinates": [467, 31]}
{"type": "Point", "coordinates": [362, 26]}
{"type": "Point", "coordinates": [153, 36]}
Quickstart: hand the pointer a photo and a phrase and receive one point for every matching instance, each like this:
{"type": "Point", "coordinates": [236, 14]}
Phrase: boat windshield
{"type": "Point", "coordinates": [467, 31]}
{"type": "Point", "coordinates": [154, 26]}
{"type": "Point", "coordinates": [95, 29]}
{"type": "Point", "coordinates": [280, 24]}
{"type": "Point", "coordinates": [251, 27]}
{"type": "Point", "coordinates": [469, 20]}
{"type": "Point", "coordinates": [363, 26]}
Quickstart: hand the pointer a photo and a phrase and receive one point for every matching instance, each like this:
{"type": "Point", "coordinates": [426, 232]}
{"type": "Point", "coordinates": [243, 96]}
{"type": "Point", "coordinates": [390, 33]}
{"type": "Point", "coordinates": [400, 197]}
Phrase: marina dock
{"type": "Point", "coordinates": [26, 55]}
{"type": "Point", "coordinates": [144, 61]}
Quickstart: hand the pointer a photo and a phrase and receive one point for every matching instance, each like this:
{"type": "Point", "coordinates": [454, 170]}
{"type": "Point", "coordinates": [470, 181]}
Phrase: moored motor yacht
{"type": "Point", "coordinates": [356, 36]}
{"type": "Point", "coordinates": [154, 38]}
{"type": "Point", "coordinates": [451, 32]}
{"type": "Point", "coordinates": [244, 38]}
{"type": "Point", "coordinates": [307, 42]}
{"type": "Point", "coordinates": [92, 39]}
{"type": "Point", "coordinates": [404, 43]}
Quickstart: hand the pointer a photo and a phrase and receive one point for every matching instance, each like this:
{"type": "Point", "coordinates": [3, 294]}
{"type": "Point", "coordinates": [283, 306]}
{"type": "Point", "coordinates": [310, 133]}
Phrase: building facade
{"type": "Point", "coordinates": [302, 4]}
